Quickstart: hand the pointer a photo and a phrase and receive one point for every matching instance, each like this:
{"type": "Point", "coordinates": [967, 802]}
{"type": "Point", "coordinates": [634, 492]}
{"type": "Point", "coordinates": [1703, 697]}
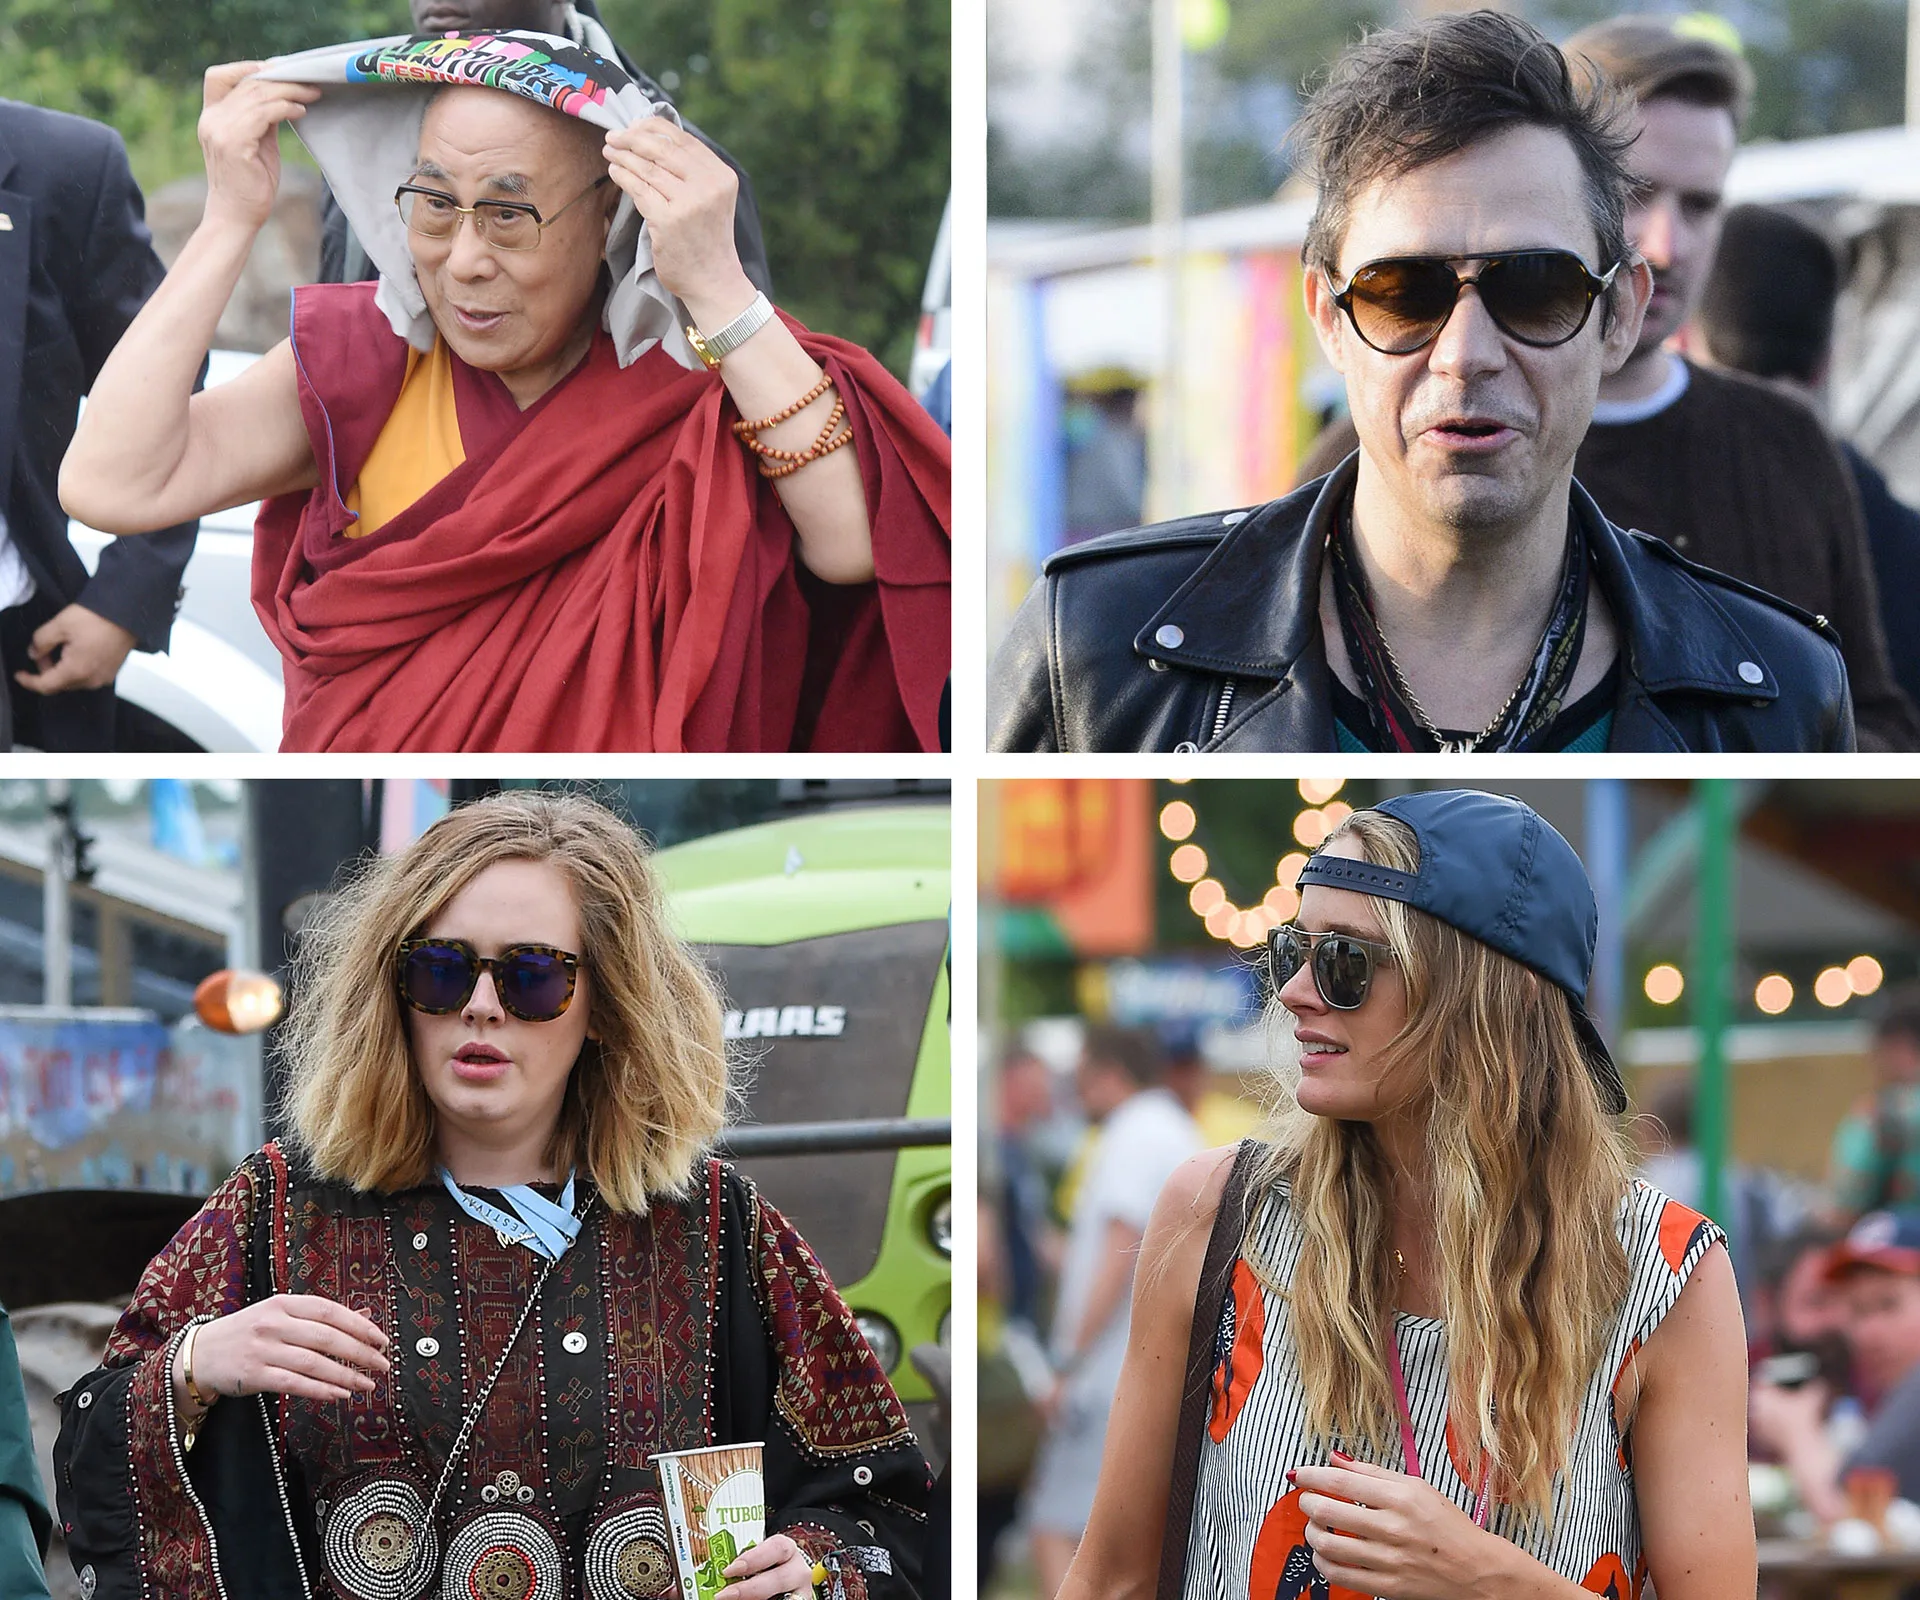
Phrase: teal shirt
{"type": "Point", "coordinates": [1874, 1170]}
{"type": "Point", "coordinates": [24, 1521]}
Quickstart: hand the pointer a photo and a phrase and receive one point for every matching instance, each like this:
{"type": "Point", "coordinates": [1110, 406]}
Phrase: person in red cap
{"type": "Point", "coordinates": [1877, 1270]}
{"type": "Point", "coordinates": [1439, 1343]}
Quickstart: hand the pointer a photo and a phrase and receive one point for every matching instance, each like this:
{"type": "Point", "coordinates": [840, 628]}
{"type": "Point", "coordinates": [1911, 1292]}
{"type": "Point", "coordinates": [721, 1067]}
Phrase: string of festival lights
{"type": "Point", "coordinates": [1246, 926]}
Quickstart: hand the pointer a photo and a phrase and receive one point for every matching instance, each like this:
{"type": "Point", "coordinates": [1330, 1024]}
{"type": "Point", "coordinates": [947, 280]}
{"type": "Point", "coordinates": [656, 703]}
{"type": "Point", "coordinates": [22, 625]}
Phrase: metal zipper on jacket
{"type": "Point", "coordinates": [1221, 711]}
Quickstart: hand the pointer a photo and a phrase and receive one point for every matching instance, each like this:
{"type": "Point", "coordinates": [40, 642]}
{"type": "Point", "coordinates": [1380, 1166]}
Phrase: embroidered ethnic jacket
{"type": "Point", "coordinates": [708, 1321]}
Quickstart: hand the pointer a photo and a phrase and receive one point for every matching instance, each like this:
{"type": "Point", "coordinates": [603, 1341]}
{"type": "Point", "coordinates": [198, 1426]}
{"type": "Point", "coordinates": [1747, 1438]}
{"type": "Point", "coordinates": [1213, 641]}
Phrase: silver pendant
{"type": "Point", "coordinates": [629, 1557]}
{"type": "Point", "coordinates": [379, 1544]}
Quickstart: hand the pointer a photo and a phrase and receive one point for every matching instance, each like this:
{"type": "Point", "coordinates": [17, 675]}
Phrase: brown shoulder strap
{"type": "Point", "coordinates": [1216, 1273]}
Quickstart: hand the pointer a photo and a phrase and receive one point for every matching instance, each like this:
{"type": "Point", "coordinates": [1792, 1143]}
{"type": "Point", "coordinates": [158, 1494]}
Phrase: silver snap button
{"type": "Point", "coordinates": [1185, 747]}
{"type": "Point", "coordinates": [1750, 672]}
{"type": "Point", "coordinates": [1234, 516]}
{"type": "Point", "coordinates": [524, 1494]}
{"type": "Point", "coordinates": [863, 1476]}
{"type": "Point", "coordinates": [428, 1347]}
{"type": "Point", "coordinates": [84, 1401]}
{"type": "Point", "coordinates": [89, 1580]}
{"type": "Point", "coordinates": [419, 1241]}
{"type": "Point", "coordinates": [1170, 637]}
{"type": "Point", "coordinates": [573, 1343]}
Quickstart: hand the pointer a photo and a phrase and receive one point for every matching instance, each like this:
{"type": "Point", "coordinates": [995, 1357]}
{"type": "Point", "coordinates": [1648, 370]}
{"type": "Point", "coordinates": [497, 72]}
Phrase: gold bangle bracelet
{"type": "Point", "coordinates": [204, 1402]}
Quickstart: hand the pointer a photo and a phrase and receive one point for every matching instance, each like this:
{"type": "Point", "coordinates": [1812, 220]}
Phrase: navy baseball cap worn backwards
{"type": "Point", "coordinates": [1496, 870]}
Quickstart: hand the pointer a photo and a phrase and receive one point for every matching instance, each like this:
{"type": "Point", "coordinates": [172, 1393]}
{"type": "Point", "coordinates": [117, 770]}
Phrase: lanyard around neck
{"type": "Point", "coordinates": [1409, 1450]}
{"type": "Point", "coordinates": [544, 1226]}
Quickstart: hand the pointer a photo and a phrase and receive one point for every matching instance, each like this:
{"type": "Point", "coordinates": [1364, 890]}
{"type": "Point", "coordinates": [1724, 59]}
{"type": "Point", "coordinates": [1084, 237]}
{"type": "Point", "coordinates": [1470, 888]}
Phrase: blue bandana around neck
{"type": "Point", "coordinates": [546, 1227]}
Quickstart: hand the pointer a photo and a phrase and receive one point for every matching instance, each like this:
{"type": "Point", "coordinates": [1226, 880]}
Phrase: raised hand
{"type": "Point", "coordinates": [686, 193]}
{"type": "Point", "coordinates": [239, 137]}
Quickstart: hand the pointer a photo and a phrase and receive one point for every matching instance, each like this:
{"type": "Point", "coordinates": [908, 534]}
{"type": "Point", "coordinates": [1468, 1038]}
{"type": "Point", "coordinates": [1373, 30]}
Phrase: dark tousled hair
{"type": "Point", "coordinates": [1135, 1051]}
{"type": "Point", "coordinates": [1403, 98]}
{"type": "Point", "coordinates": [1768, 304]}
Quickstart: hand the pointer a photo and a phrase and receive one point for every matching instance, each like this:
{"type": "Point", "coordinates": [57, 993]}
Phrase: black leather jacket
{"type": "Point", "coordinates": [1204, 634]}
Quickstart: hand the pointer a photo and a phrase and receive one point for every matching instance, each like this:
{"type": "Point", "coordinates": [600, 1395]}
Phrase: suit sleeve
{"type": "Point", "coordinates": [1020, 682]}
{"type": "Point", "coordinates": [138, 581]}
{"type": "Point", "coordinates": [845, 1477]}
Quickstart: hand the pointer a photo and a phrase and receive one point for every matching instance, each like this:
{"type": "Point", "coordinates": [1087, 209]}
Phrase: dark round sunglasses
{"type": "Point", "coordinates": [1541, 298]}
{"type": "Point", "coordinates": [534, 981]}
{"type": "Point", "coordinates": [1342, 963]}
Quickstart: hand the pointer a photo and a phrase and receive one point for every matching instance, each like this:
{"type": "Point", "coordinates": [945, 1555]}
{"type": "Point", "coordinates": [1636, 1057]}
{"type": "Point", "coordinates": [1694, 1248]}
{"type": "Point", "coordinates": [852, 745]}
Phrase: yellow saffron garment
{"type": "Point", "coordinates": [418, 445]}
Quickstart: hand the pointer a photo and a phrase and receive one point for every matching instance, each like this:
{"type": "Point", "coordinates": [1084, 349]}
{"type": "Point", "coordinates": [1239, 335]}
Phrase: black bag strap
{"type": "Point", "coordinates": [1216, 1274]}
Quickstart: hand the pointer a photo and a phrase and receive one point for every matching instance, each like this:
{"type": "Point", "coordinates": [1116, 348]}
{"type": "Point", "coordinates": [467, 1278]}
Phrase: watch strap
{"type": "Point", "coordinates": [712, 348]}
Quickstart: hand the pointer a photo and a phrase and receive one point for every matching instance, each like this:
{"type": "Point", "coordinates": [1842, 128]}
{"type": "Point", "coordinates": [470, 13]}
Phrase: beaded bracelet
{"type": "Point", "coordinates": [829, 439]}
{"type": "Point", "coordinates": [744, 430]}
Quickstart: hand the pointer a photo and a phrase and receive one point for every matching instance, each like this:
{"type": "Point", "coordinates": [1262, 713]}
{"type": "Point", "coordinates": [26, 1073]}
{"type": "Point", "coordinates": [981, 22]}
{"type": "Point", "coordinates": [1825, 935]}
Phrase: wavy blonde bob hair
{"type": "Point", "coordinates": [1528, 1173]}
{"type": "Point", "coordinates": [642, 1103]}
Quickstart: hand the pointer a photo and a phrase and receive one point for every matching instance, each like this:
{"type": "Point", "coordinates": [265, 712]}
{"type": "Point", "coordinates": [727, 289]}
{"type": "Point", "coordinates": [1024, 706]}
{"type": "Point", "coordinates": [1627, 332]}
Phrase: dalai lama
{"type": "Point", "coordinates": [563, 479]}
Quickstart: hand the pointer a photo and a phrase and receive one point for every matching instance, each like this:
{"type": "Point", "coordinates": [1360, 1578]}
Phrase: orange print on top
{"type": "Point", "coordinates": [1283, 1566]}
{"type": "Point", "coordinates": [1233, 1379]}
{"type": "Point", "coordinates": [1678, 1225]}
{"type": "Point", "coordinates": [1608, 1576]}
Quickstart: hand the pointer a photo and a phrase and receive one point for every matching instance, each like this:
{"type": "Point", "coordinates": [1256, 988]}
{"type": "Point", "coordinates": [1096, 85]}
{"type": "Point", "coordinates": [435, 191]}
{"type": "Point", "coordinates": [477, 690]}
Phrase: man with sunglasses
{"type": "Point", "coordinates": [1733, 474]}
{"type": "Point", "coordinates": [1450, 586]}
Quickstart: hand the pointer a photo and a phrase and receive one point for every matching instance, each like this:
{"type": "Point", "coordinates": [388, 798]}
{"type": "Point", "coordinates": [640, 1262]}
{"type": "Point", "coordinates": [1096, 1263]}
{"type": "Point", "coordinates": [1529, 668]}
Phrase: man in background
{"type": "Point", "coordinates": [1768, 311]}
{"type": "Point", "coordinates": [1732, 473]}
{"type": "Point", "coordinates": [76, 265]}
{"type": "Point", "coordinates": [1143, 1135]}
{"type": "Point", "coordinates": [342, 260]}
{"type": "Point", "coordinates": [25, 1523]}
{"type": "Point", "coordinates": [1876, 1148]}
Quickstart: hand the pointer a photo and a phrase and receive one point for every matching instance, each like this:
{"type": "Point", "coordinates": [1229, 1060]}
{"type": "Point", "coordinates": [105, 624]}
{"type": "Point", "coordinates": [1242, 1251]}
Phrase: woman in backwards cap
{"type": "Point", "coordinates": [1439, 1343]}
{"type": "Point", "coordinates": [432, 1344]}
{"type": "Point", "coordinates": [511, 492]}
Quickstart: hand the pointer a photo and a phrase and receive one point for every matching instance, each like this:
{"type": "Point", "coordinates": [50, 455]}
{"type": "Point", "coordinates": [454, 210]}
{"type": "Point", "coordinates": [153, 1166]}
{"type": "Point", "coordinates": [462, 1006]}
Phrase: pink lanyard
{"type": "Point", "coordinates": [1409, 1450]}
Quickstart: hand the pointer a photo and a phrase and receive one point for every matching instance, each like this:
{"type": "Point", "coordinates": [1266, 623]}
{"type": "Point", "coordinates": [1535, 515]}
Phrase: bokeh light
{"type": "Point", "coordinates": [1177, 819]}
{"type": "Point", "coordinates": [1287, 870]}
{"type": "Point", "coordinates": [1336, 814]}
{"type": "Point", "coordinates": [1283, 902]}
{"type": "Point", "coordinates": [1864, 975]}
{"type": "Point", "coordinates": [1311, 828]}
{"type": "Point", "coordinates": [1665, 984]}
{"type": "Point", "coordinates": [1220, 919]}
{"type": "Point", "coordinates": [1205, 897]}
{"type": "Point", "coordinates": [1831, 988]}
{"type": "Point", "coordinates": [1317, 791]}
{"type": "Point", "coordinates": [1773, 993]}
{"type": "Point", "coordinates": [1188, 863]}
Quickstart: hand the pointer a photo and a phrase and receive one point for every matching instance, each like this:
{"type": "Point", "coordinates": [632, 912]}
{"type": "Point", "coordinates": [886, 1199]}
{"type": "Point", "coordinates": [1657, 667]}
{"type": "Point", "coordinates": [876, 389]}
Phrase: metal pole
{"type": "Point", "coordinates": [831, 1138]}
{"type": "Point", "coordinates": [1607, 837]}
{"type": "Point", "coordinates": [56, 920]}
{"type": "Point", "coordinates": [1169, 212]}
{"type": "Point", "coordinates": [1913, 63]}
{"type": "Point", "coordinates": [1713, 983]}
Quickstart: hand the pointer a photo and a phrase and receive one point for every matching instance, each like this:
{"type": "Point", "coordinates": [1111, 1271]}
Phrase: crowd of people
{"type": "Point", "coordinates": [542, 467]}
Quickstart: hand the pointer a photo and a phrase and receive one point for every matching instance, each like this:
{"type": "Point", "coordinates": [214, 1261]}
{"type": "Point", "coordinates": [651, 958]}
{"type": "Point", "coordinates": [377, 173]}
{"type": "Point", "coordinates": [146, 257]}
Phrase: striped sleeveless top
{"type": "Point", "coordinates": [1249, 1535]}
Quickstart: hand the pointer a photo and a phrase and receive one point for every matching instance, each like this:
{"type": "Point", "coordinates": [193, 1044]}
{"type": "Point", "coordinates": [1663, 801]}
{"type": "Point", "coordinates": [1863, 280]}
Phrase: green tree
{"type": "Point", "coordinates": [838, 110]}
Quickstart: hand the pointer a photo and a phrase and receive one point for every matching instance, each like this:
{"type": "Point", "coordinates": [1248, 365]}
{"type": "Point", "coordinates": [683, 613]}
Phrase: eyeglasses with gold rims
{"type": "Point", "coordinates": [1540, 298]}
{"type": "Point", "coordinates": [504, 224]}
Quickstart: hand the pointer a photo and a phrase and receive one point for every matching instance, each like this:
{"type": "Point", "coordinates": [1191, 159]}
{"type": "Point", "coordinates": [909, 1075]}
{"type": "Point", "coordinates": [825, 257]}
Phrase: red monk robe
{"type": "Point", "coordinates": [605, 571]}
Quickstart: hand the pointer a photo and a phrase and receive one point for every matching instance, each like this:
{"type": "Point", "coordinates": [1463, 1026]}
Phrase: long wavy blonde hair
{"type": "Point", "coordinates": [1528, 1173]}
{"type": "Point", "coordinates": [642, 1103]}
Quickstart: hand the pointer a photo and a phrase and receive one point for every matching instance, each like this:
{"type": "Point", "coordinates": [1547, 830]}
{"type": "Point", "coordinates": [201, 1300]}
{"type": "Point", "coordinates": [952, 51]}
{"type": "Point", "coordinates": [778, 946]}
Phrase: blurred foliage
{"type": "Point", "coordinates": [1821, 66]}
{"type": "Point", "coordinates": [838, 110]}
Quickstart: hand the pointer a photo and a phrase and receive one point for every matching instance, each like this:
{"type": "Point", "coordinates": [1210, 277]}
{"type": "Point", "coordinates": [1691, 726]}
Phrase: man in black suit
{"type": "Point", "coordinates": [76, 264]}
{"type": "Point", "coordinates": [341, 258]}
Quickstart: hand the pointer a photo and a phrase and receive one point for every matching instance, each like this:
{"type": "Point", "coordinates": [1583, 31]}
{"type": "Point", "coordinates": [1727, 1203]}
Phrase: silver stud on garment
{"type": "Point", "coordinates": [1170, 637]}
{"type": "Point", "coordinates": [89, 1581]}
{"type": "Point", "coordinates": [85, 1400]}
{"type": "Point", "coordinates": [1233, 517]}
{"type": "Point", "coordinates": [1750, 672]}
{"type": "Point", "coordinates": [863, 1476]}
{"type": "Point", "coordinates": [419, 1241]}
{"type": "Point", "coordinates": [573, 1343]}
{"type": "Point", "coordinates": [428, 1347]}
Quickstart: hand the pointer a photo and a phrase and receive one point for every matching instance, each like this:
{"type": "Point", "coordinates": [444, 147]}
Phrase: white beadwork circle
{"type": "Point", "coordinates": [501, 1555]}
{"type": "Point", "coordinates": [379, 1545]}
{"type": "Point", "coordinates": [629, 1557]}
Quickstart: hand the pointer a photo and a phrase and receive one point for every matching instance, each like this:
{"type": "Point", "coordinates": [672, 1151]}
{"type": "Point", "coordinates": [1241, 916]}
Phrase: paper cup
{"type": "Point", "coordinates": [716, 1508]}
